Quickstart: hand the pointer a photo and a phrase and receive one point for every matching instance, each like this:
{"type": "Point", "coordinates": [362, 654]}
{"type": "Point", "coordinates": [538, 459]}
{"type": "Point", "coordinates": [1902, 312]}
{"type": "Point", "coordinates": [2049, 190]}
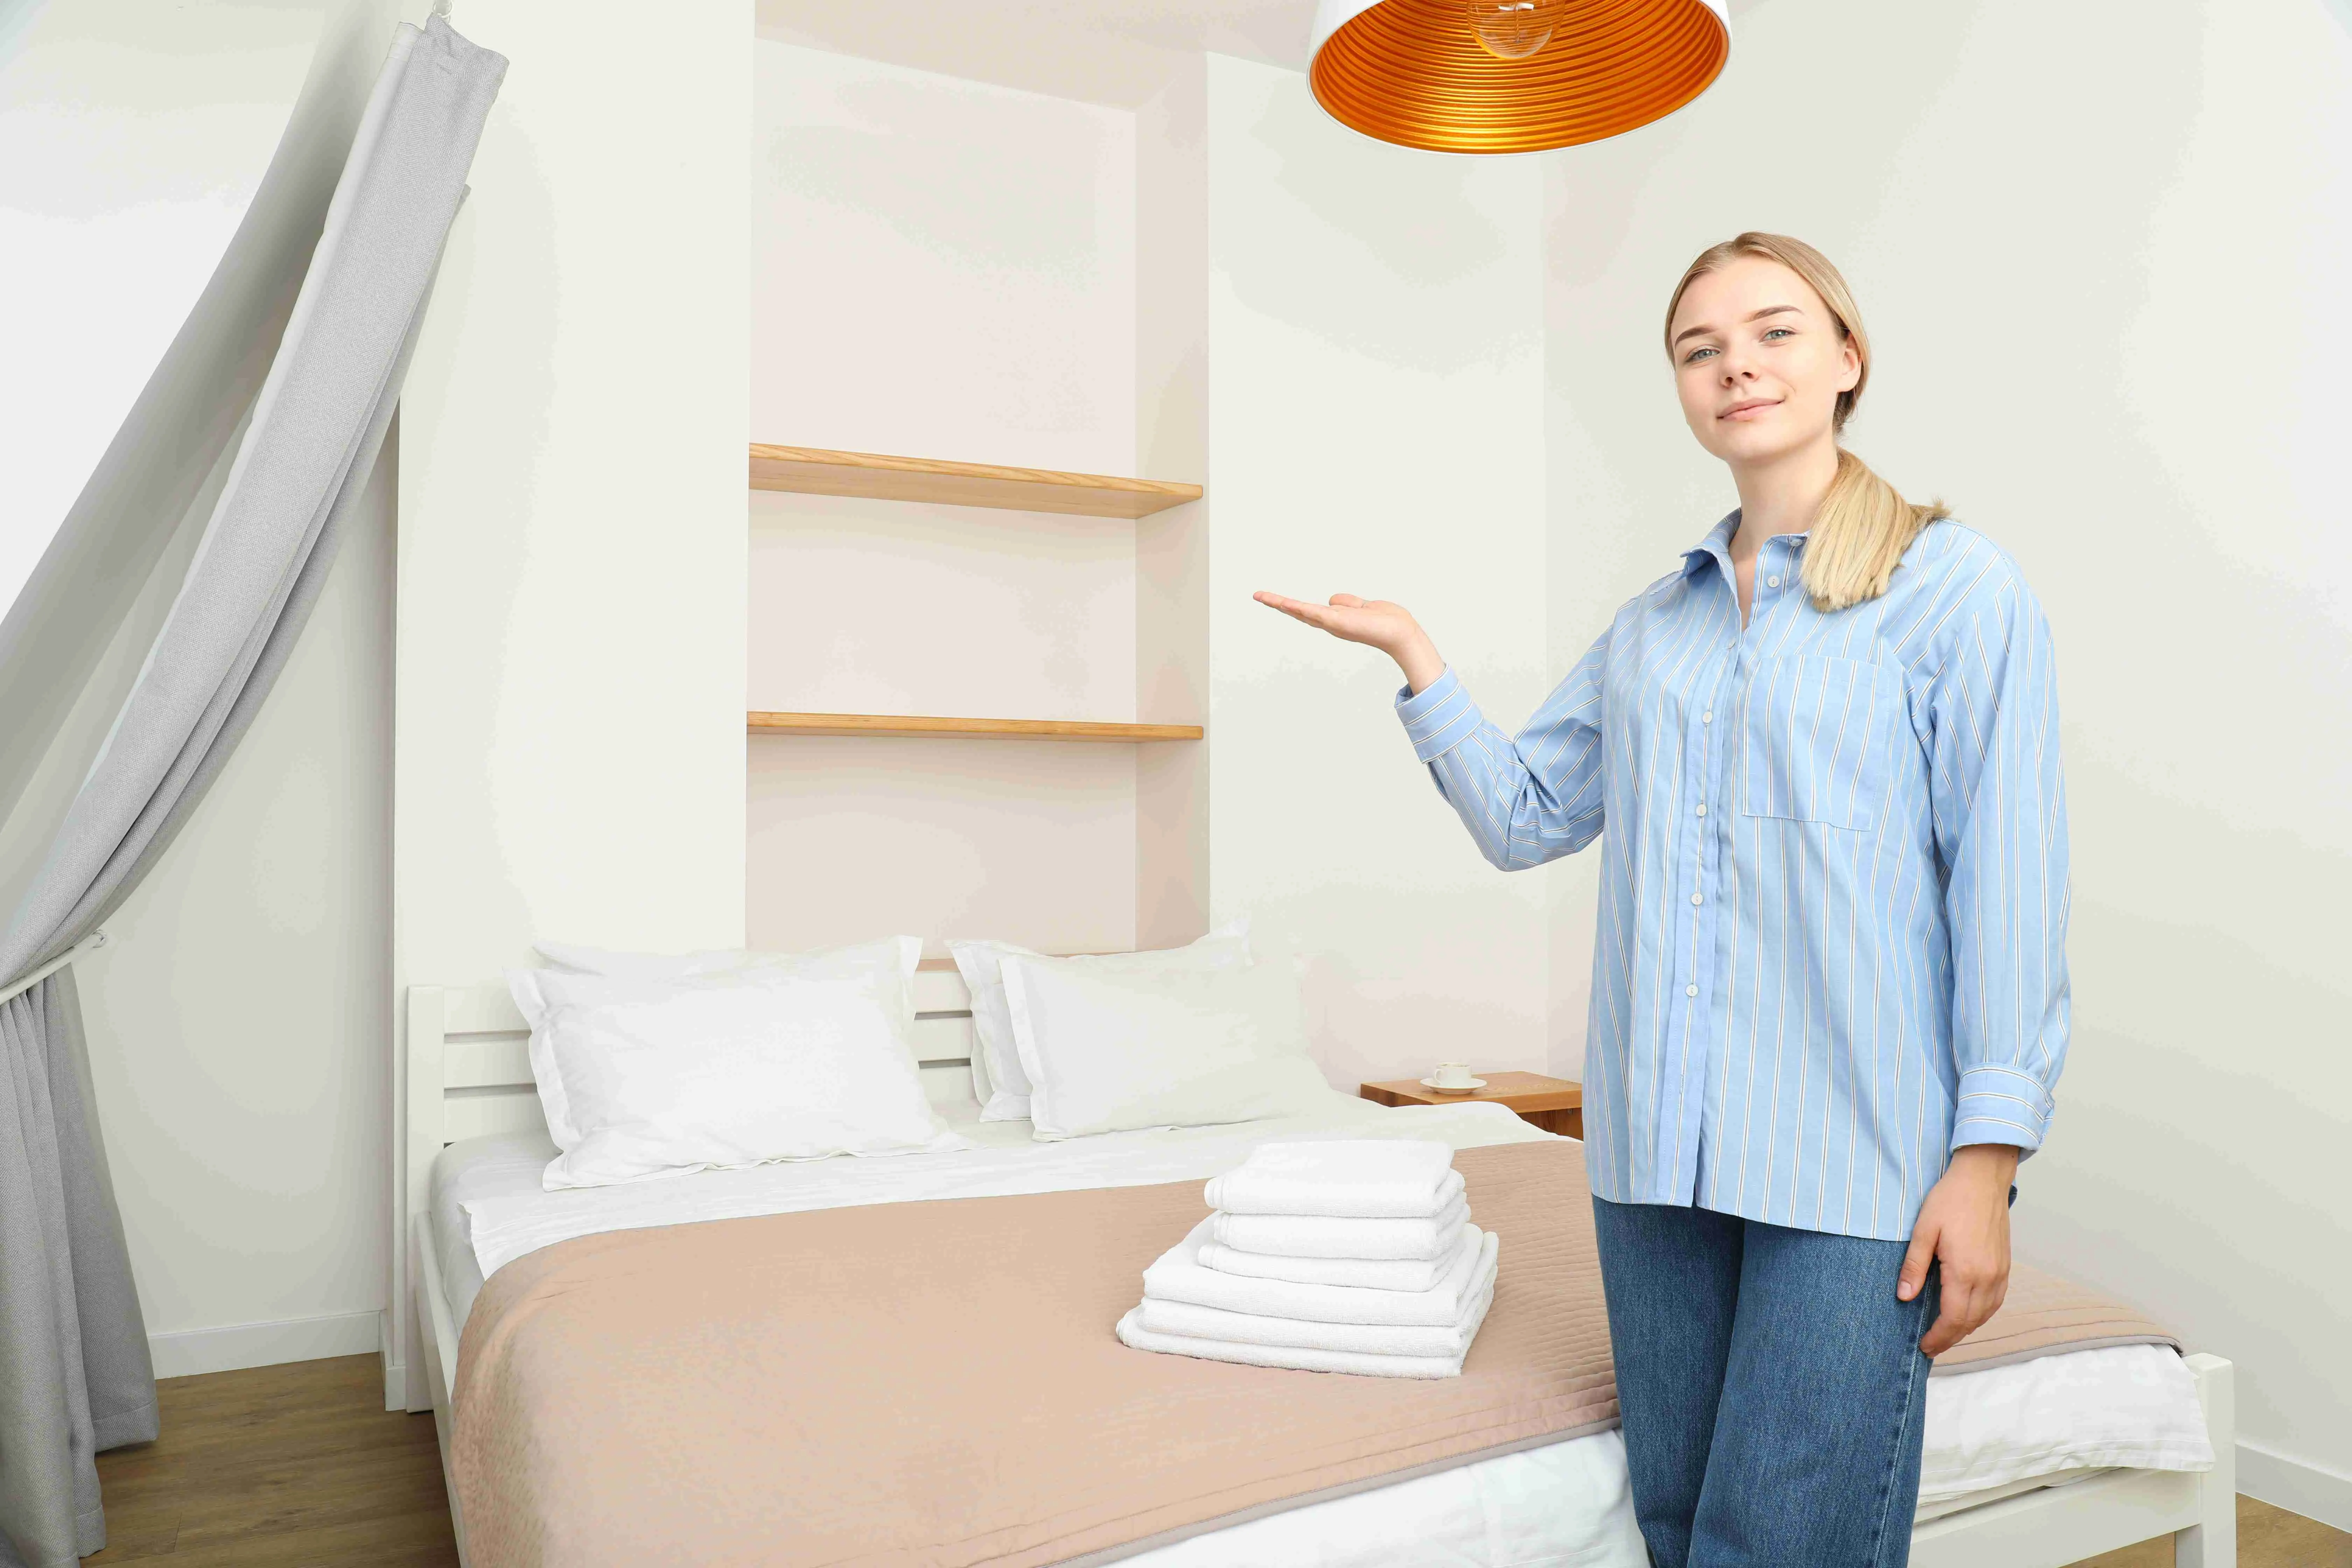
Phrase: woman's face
{"type": "Point", "coordinates": [1759, 361]}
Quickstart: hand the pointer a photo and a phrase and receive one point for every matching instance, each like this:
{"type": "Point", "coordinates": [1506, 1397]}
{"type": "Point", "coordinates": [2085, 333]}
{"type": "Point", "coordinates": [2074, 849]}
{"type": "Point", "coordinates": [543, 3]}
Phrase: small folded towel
{"type": "Point", "coordinates": [1353, 1273]}
{"type": "Point", "coordinates": [1317, 1236]}
{"type": "Point", "coordinates": [1350, 1178]}
{"type": "Point", "coordinates": [1176, 1276]}
{"type": "Point", "coordinates": [1133, 1333]}
{"type": "Point", "coordinates": [1188, 1321]}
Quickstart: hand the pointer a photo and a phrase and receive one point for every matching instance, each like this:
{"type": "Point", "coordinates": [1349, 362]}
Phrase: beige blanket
{"type": "Point", "coordinates": [937, 1383]}
{"type": "Point", "coordinates": [2043, 1314]}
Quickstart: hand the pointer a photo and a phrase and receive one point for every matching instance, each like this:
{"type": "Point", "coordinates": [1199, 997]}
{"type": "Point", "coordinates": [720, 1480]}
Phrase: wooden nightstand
{"type": "Point", "coordinates": [1554, 1104]}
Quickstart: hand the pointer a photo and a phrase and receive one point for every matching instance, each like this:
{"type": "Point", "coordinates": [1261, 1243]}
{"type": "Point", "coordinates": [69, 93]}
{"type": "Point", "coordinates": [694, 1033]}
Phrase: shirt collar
{"type": "Point", "coordinates": [1715, 547]}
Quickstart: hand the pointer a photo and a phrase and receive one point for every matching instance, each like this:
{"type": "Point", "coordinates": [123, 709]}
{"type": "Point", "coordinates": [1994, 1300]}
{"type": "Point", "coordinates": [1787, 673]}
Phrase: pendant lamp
{"type": "Point", "coordinates": [1511, 76]}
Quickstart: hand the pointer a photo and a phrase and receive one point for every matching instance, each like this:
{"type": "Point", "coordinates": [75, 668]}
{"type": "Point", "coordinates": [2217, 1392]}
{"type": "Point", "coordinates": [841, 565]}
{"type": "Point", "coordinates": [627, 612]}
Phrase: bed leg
{"type": "Point", "coordinates": [2212, 1542]}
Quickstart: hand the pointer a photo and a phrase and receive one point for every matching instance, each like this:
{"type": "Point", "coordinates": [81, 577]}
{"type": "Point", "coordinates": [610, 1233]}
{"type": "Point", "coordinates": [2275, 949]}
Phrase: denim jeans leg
{"type": "Point", "coordinates": [1815, 1457]}
{"type": "Point", "coordinates": [1670, 1277]}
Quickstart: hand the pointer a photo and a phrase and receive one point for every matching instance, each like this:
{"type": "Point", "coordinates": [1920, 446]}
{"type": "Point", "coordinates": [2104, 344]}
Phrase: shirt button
{"type": "Point", "coordinates": [1707, 717]}
{"type": "Point", "coordinates": [1690, 990]}
{"type": "Point", "coordinates": [1702, 811]}
{"type": "Point", "coordinates": [1699, 898]}
{"type": "Point", "coordinates": [1772, 582]}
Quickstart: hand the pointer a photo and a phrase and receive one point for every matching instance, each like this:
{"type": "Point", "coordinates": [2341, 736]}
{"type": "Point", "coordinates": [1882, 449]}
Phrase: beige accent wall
{"type": "Point", "coordinates": [941, 269]}
{"type": "Point", "coordinates": [1171, 547]}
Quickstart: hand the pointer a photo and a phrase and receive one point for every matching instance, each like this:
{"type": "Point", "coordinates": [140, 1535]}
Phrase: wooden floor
{"type": "Point", "coordinates": [281, 1467]}
{"type": "Point", "coordinates": [2267, 1538]}
{"type": "Point", "coordinates": [302, 1466]}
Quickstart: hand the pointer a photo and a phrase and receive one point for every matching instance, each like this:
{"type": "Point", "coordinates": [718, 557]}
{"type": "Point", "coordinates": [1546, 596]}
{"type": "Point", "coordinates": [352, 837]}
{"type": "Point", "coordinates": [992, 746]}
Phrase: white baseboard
{"type": "Point", "coordinates": [395, 1370]}
{"type": "Point", "coordinates": [2296, 1485]}
{"type": "Point", "coordinates": [236, 1345]}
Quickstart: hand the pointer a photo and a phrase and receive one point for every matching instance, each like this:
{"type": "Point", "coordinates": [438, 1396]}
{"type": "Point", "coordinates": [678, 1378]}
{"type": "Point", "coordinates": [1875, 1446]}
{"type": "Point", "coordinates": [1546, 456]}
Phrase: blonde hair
{"type": "Point", "coordinates": [1865, 525]}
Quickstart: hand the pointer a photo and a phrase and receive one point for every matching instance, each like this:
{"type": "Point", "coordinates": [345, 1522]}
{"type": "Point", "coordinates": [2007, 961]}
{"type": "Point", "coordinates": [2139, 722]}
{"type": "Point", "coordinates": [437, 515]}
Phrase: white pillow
{"type": "Point", "coordinates": [891, 959]}
{"type": "Point", "coordinates": [1106, 1049]}
{"type": "Point", "coordinates": [650, 1077]}
{"type": "Point", "coordinates": [900, 952]}
{"type": "Point", "coordinates": [998, 1079]}
{"type": "Point", "coordinates": [640, 965]}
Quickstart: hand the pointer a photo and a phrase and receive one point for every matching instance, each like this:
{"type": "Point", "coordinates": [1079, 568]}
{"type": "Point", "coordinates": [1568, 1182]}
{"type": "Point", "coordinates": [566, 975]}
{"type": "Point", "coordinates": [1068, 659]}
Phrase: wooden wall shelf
{"type": "Point", "coordinates": [813, 470]}
{"type": "Point", "coordinates": [907, 726]}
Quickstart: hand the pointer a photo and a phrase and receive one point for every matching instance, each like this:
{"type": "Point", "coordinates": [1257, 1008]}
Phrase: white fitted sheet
{"type": "Point", "coordinates": [1989, 1434]}
{"type": "Point", "coordinates": [509, 1223]}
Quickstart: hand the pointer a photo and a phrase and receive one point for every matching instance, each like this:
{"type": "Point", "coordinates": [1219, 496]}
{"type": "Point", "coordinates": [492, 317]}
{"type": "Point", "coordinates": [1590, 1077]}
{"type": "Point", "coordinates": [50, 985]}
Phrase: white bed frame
{"type": "Point", "coordinates": [465, 1072]}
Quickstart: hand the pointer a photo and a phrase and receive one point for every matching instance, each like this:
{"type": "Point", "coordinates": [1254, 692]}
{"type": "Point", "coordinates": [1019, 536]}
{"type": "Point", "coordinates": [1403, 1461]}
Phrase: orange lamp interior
{"type": "Point", "coordinates": [1411, 72]}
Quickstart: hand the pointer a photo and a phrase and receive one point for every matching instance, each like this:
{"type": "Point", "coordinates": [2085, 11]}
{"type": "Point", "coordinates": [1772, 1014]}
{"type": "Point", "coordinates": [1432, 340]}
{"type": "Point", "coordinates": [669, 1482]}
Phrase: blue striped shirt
{"type": "Point", "coordinates": [1834, 894]}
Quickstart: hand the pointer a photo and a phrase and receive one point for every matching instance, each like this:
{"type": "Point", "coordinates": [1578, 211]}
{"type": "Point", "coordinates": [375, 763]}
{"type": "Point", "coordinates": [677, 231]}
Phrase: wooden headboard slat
{"type": "Point", "coordinates": [464, 1039]}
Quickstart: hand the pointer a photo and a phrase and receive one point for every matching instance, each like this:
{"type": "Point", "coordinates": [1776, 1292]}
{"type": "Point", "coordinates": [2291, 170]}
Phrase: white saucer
{"type": "Point", "coordinates": [1474, 1084]}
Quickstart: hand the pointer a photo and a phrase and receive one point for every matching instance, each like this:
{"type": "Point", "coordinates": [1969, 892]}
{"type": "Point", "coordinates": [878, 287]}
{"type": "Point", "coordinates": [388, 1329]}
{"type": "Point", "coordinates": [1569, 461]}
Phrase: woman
{"type": "Point", "coordinates": [1829, 1000]}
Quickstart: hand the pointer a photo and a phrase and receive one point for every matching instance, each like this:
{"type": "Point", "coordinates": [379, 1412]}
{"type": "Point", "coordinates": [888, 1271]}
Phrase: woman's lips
{"type": "Point", "coordinates": [1748, 409]}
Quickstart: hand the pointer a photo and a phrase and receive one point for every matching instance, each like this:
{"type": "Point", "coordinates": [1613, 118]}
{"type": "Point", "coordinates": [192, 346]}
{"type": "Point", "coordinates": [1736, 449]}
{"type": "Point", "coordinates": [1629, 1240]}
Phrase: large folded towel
{"type": "Point", "coordinates": [1132, 1332]}
{"type": "Point", "coordinates": [1178, 1276]}
{"type": "Point", "coordinates": [1189, 1320]}
{"type": "Point", "coordinates": [1320, 1235]}
{"type": "Point", "coordinates": [1355, 1273]}
{"type": "Point", "coordinates": [1353, 1178]}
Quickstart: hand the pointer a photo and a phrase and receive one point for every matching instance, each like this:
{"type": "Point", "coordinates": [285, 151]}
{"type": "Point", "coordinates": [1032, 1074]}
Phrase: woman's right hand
{"type": "Point", "coordinates": [1375, 623]}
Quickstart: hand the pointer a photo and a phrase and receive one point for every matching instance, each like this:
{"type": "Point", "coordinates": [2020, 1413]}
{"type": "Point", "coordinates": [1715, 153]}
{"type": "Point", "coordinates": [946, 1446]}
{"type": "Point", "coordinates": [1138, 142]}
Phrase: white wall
{"type": "Point", "coordinates": [133, 141]}
{"type": "Point", "coordinates": [570, 707]}
{"type": "Point", "coordinates": [2103, 270]}
{"type": "Point", "coordinates": [571, 692]}
{"type": "Point", "coordinates": [1375, 366]}
{"type": "Point", "coordinates": [945, 270]}
{"type": "Point", "coordinates": [163, 178]}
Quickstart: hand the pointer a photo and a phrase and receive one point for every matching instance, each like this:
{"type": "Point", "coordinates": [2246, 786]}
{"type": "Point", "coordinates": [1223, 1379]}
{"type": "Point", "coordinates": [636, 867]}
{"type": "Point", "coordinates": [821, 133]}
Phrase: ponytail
{"type": "Point", "coordinates": [1865, 525]}
{"type": "Point", "coordinates": [1858, 536]}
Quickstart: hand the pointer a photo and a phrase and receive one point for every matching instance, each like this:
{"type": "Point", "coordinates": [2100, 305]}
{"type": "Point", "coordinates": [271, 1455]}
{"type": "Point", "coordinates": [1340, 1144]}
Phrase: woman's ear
{"type": "Point", "coordinates": [1849, 371]}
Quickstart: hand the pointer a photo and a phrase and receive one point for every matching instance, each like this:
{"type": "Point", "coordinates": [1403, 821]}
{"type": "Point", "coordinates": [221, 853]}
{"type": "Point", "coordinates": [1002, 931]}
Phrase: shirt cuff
{"type": "Point", "coordinates": [2000, 1105]}
{"type": "Point", "coordinates": [1440, 719]}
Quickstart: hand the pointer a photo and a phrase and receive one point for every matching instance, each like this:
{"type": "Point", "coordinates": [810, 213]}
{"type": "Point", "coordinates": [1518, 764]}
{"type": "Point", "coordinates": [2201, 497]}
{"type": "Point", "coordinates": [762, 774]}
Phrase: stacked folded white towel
{"type": "Point", "coordinates": [1347, 1256]}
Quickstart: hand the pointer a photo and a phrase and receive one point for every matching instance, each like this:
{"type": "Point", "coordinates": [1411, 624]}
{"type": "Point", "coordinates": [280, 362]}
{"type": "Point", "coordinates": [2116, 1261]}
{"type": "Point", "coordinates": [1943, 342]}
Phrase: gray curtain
{"type": "Point", "coordinates": [75, 1376]}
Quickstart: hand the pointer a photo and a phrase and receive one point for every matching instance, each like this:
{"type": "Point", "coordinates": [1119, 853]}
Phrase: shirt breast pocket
{"type": "Point", "coordinates": [1817, 739]}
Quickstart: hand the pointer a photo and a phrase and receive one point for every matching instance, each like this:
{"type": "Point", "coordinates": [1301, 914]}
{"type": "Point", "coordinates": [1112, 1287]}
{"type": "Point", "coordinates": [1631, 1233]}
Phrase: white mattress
{"type": "Point", "coordinates": [1989, 1434]}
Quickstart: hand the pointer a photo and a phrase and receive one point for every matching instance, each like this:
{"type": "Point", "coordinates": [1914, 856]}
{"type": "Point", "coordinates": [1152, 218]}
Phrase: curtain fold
{"type": "Point", "coordinates": [75, 1373]}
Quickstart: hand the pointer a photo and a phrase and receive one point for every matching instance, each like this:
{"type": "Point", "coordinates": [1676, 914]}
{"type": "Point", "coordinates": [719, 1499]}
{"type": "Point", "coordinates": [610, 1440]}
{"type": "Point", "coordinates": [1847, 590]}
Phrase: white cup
{"type": "Point", "coordinates": [1451, 1075]}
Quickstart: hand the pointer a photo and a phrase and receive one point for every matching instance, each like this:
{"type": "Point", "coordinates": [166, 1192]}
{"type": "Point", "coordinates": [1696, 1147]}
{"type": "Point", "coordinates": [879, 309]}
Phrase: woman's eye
{"type": "Point", "coordinates": [1696, 355]}
{"type": "Point", "coordinates": [1778, 332]}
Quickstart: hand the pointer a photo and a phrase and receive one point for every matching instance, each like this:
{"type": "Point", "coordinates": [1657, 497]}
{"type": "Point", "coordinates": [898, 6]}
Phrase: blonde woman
{"type": "Point", "coordinates": [1829, 999]}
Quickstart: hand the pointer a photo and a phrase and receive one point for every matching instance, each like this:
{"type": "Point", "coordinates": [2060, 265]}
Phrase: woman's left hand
{"type": "Point", "coordinates": [1964, 1227]}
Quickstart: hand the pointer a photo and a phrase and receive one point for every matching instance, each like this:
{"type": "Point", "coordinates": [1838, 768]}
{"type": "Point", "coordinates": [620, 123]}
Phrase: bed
{"type": "Point", "coordinates": [1994, 1490]}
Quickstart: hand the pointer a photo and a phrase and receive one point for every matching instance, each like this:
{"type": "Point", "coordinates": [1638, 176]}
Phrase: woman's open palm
{"type": "Point", "coordinates": [1375, 623]}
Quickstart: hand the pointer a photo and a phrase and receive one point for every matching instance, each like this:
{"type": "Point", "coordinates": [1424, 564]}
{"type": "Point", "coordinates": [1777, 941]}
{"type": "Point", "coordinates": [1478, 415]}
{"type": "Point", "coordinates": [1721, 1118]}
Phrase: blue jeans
{"type": "Point", "coordinates": [1773, 1392]}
